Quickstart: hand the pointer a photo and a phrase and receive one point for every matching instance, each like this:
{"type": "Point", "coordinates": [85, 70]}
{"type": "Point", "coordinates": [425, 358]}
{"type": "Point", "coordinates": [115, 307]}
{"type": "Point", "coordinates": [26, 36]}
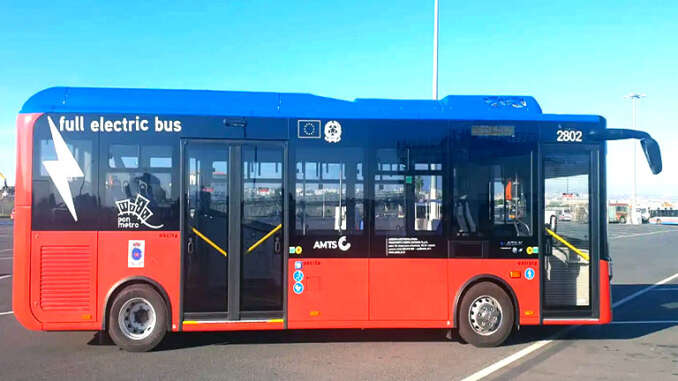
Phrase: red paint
{"type": "Point", "coordinates": [161, 263]}
{"type": "Point", "coordinates": [403, 293]}
{"type": "Point", "coordinates": [527, 291]}
{"type": "Point", "coordinates": [605, 293]}
{"type": "Point", "coordinates": [368, 324]}
{"type": "Point", "coordinates": [64, 276]}
{"type": "Point", "coordinates": [572, 322]}
{"type": "Point", "coordinates": [408, 289]}
{"type": "Point", "coordinates": [24, 159]}
{"type": "Point", "coordinates": [21, 274]}
{"type": "Point", "coordinates": [335, 289]}
{"type": "Point", "coordinates": [228, 326]}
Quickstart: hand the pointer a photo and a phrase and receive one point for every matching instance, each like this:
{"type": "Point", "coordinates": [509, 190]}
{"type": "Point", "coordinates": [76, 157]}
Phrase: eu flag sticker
{"type": "Point", "coordinates": [308, 129]}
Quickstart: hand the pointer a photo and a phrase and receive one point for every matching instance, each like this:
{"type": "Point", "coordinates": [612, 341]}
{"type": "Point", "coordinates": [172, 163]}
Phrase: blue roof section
{"type": "Point", "coordinates": [289, 105]}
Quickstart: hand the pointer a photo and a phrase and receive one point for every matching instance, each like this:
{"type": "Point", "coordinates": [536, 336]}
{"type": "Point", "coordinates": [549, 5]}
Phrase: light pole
{"type": "Point", "coordinates": [634, 97]}
{"type": "Point", "coordinates": [435, 51]}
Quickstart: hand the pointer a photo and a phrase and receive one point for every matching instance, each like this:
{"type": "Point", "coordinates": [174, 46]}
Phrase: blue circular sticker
{"type": "Point", "coordinates": [136, 254]}
{"type": "Point", "coordinates": [298, 276]}
{"type": "Point", "coordinates": [298, 288]}
{"type": "Point", "coordinates": [529, 273]}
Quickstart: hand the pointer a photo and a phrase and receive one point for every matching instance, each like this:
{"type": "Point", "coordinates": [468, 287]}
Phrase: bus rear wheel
{"type": "Point", "coordinates": [486, 315]}
{"type": "Point", "coordinates": [137, 321]}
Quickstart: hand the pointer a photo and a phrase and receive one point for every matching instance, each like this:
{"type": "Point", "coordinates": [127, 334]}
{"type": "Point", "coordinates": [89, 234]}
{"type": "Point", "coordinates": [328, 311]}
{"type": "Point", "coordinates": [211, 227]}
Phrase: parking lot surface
{"type": "Point", "coordinates": [641, 343]}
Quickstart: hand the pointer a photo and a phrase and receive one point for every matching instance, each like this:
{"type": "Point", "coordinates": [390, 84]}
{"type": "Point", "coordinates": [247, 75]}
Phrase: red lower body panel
{"type": "Point", "coordinates": [403, 293]}
{"type": "Point", "coordinates": [461, 271]}
{"type": "Point", "coordinates": [408, 289]}
{"type": "Point", "coordinates": [191, 326]}
{"type": "Point", "coordinates": [162, 258]}
{"type": "Point", "coordinates": [333, 290]}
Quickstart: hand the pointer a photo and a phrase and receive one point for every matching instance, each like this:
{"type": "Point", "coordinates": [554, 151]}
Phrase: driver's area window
{"type": "Point", "coordinates": [493, 191]}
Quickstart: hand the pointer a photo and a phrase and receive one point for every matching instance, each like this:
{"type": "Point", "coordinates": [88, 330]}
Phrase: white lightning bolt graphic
{"type": "Point", "coordinates": [63, 168]}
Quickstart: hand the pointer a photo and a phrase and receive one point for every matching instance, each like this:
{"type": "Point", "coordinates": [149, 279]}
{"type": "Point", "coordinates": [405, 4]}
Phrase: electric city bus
{"type": "Point", "coordinates": [142, 212]}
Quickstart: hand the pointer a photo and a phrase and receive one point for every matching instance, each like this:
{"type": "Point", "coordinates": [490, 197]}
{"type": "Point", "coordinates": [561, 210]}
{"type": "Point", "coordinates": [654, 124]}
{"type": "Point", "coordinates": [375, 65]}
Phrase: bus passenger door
{"type": "Point", "coordinates": [233, 230]}
{"type": "Point", "coordinates": [569, 234]}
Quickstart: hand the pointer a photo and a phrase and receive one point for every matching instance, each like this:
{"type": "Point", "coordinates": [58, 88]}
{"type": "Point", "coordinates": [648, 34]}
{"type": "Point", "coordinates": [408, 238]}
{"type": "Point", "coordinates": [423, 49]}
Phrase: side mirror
{"type": "Point", "coordinates": [652, 154]}
{"type": "Point", "coordinates": [553, 222]}
{"type": "Point", "coordinates": [650, 146]}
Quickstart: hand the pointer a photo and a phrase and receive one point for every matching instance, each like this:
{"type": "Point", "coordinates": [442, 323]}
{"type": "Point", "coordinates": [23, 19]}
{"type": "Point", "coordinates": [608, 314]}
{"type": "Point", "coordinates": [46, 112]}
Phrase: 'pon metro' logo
{"type": "Point", "coordinates": [134, 208]}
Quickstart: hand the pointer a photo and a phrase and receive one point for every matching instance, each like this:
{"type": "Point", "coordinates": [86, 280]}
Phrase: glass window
{"type": "Point", "coordinates": [123, 156]}
{"type": "Point", "coordinates": [567, 270]}
{"type": "Point", "coordinates": [428, 202]}
{"type": "Point", "coordinates": [389, 203]}
{"type": "Point", "coordinates": [75, 206]}
{"type": "Point", "coordinates": [129, 156]}
{"type": "Point", "coordinates": [139, 187]}
{"type": "Point", "coordinates": [329, 191]}
{"type": "Point", "coordinates": [492, 190]}
{"type": "Point", "coordinates": [408, 191]}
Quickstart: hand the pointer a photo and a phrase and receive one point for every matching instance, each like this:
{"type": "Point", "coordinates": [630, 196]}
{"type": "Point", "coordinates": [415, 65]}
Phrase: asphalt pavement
{"type": "Point", "coordinates": [642, 342]}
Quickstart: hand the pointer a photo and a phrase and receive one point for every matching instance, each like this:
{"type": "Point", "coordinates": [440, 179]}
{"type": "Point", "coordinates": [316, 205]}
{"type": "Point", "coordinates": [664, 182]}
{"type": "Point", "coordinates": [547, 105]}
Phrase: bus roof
{"type": "Point", "coordinates": [287, 105]}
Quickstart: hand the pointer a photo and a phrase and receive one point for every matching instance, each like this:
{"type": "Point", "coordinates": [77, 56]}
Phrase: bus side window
{"type": "Point", "coordinates": [329, 192]}
{"type": "Point", "coordinates": [50, 210]}
{"type": "Point", "coordinates": [408, 190]}
{"type": "Point", "coordinates": [135, 174]}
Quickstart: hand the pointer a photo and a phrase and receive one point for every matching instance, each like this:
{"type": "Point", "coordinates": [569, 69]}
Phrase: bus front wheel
{"type": "Point", "coordinates": [138, 318]}
{"type": "Point", "coordinates": [486, 315]}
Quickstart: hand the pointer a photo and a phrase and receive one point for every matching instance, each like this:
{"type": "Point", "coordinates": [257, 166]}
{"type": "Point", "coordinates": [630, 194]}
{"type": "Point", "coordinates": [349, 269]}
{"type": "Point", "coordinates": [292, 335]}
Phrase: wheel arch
{"type": "Point", "coordinates": [123, 283]}
{"type": "Point", "coordinates": [486, 278]}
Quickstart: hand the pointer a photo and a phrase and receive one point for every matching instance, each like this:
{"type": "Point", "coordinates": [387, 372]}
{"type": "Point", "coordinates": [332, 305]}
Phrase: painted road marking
{"type": "Point", "coordinates": [646, 289]}
{"type": "Point", "coordinates": [6, 313]}
{"type": "Point", "coordinates": [646, 322]}
{"type": "Point", "coordinates": [4, 250]}
{"type": "Point", "coordinates": [539, 344]}
{"type": "Point", "coordinates": [6, 258]}
{"type": "Point", "coordinates": [642, 234]}
{"type": "Point", "coordinates": [5, 276]}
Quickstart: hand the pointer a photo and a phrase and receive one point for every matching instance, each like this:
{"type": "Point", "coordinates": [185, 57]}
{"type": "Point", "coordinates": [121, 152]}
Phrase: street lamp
{"type": "Point", "coordinates": [634, 97]}
{"type": "Point", "coordinates": [435, 50]}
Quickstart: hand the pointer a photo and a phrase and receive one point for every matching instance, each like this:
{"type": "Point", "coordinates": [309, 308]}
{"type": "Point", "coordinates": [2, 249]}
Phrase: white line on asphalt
{"type": "Point", "coordinates": [3, 250]}
{"type": "Point", "coordinates": [502, 363]}
{"type": "Point", "coordinates": [646, 289]}
{"type": "Point", "coordinates": [646, 322]}
{"type": "Point", "coordinates": [5, 258]}
{"type": "Point", "coordinates": [5, 276]}
{"type": "Point", "coordinates": [6, 313]}
{"type": "Point", "coordinates": [539, 344]}
{"type": "Point", "coordinates": [641, 234]}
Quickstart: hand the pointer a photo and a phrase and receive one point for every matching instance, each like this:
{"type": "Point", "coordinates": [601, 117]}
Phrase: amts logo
{"type": "Point", "coordinates": [341, 244]}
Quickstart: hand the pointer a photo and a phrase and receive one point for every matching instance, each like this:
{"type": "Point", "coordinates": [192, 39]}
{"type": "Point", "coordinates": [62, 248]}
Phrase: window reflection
{"type": "Point", "coordinates": [409, 190]}
{"type": "Point", "coordinates": [330, 192]}
{"type": "Point", "coordinates": [492, 190]}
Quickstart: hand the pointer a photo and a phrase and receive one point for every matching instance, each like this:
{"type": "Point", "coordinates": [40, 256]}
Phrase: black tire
{"type": "Point", "coordinates": [496, 335]}
{"type": "Point", "coordinates": [622, 220]}
{"type": "Point", "coordinates": [155, 332]}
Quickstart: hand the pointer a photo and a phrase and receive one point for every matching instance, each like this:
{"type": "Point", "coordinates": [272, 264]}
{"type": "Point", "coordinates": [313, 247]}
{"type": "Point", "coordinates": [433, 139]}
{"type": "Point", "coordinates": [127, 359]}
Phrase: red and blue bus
{"type": "Point", "coordinates": [142, 212]}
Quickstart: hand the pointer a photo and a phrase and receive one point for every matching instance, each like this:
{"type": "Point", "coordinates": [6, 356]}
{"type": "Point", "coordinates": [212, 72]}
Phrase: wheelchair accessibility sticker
{"type": "Point", "coordinates": [529, 273]}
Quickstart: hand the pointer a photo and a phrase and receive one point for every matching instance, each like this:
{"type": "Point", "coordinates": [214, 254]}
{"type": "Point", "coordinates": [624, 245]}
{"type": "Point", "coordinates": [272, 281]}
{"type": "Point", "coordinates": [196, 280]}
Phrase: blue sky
{"type": "Point", "coordinates": [573, 56]}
